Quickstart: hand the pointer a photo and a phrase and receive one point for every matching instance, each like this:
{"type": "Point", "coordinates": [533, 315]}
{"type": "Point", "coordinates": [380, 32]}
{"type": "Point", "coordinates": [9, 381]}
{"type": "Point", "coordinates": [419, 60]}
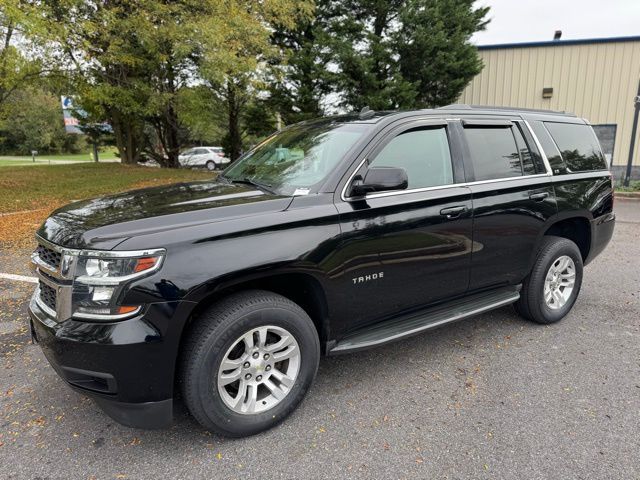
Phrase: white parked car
{"type": "Point", "coordinates": [209, 157]}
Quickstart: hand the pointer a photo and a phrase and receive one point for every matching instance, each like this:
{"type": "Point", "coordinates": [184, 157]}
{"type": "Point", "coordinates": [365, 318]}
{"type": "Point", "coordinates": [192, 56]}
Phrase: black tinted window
{"type": "Point", "coordinates": [494, 152]}
{"type": "Point", "coordinates": [528, 166]}
{"type": "Point", "coordinates": [578, 146]}
{"type": "Point", "coordinates": [423, 153]}
{"type": "Point", "coordinates": [550, 149]}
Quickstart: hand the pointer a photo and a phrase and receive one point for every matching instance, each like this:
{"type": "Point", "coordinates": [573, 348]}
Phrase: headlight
{"type": "Point", "coordinates": [100, 278]}
{"type": "Point", "coordinates": [113, 271]}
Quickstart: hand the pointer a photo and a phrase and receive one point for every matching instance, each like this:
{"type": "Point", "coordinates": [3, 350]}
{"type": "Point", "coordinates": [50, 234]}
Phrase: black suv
{"type": "Point", "coordinates": [330, 236]}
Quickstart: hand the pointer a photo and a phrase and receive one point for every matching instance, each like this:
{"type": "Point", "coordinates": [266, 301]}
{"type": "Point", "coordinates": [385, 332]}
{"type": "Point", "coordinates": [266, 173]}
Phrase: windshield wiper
{"type": "Point", "coordinates": [249, 181]}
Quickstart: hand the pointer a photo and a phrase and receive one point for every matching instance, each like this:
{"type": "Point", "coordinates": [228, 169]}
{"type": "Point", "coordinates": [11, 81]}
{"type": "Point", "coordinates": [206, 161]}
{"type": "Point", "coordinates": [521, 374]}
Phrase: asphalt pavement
{"type": "Point", "coordinates": [490, 397]}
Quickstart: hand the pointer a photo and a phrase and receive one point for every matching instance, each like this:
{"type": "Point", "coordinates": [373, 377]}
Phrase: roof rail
{"type": "Point", "coordinates": [464, 106]}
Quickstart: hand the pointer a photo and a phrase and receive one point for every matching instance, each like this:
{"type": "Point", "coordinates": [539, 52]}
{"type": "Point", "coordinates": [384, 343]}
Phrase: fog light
{"type": "Point", "coordinates": [102, 294]}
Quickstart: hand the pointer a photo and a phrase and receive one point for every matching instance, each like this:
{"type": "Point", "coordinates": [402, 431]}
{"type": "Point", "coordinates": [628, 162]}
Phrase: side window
{"type": "Point", "coordinates": [423, 153]}
{"type": "Point", "coordinates": [606, 135]}
{"type": "Point", "coordinates": [528, 167]}
{"type": "Point", "coordinates": [550, 149]}
{"type": "Point", "coordinates": [200, 151]}
{"type": "Point", "coordinates": [494, 152]}
{"type": "Point", "coordinates": [578, 146]}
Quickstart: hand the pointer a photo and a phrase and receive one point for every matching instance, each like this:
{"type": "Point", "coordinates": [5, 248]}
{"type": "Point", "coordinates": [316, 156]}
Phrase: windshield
{"type": "Point", "coordinates": [298, 158]}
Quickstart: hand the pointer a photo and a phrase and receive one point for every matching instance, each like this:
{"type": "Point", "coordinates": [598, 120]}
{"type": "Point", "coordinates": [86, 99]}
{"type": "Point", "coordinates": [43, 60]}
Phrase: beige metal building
{"type": "Point", "coordinates": [596, 79]}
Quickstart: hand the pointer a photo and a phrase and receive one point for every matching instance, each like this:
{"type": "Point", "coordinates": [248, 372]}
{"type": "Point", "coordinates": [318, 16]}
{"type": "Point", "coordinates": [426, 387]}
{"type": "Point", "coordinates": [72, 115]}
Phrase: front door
{"type": "Point", "coordinates": [402, 250]}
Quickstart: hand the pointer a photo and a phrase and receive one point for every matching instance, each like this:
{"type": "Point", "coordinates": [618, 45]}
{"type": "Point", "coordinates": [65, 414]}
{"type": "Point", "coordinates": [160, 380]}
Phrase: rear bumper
{"type": "Point", "coordinates": [601, 232]}
{"type": "Point", "coordinates": [126, 367]}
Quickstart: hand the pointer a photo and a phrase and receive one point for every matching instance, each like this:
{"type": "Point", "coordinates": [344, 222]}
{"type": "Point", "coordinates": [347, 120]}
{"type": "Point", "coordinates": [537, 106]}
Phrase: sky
{"type": "Point", "coordinates": [515, 21]}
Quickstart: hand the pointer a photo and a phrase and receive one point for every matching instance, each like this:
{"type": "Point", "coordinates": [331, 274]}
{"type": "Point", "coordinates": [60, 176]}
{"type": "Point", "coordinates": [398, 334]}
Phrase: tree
{"type": "Point", "coordinates": [17, 27]}
{"type": "Point", "coordinates": [434, 49]}
{"type": "Point", "coordinates": [201, 116]}
{"type": "Point", "coordinates": [132, 58]}
{"type": "Point", "coordinates": [243, 76]}
{"type": "Point", "coordinates": [405, 53]}
{"type": "Point", "coordinates": [32, 120]}
{"type": "Point", "coordinates": [299, 87]}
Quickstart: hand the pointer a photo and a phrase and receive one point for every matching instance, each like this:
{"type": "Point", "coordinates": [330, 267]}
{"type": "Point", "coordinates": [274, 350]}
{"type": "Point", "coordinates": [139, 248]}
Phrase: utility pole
{"type": "Point", "coordinates": [634, 132]}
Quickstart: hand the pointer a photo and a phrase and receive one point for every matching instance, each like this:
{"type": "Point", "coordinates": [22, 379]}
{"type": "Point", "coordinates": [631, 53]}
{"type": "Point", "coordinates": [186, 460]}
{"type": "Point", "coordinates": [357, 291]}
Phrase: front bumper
{"type": "Point", "coordinates": [126, 367]}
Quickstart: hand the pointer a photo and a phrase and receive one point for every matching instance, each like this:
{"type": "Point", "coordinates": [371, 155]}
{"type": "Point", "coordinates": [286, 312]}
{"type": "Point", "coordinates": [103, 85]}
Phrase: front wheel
{"type": "Point", "coordinates": [248, 362]}
{"type": "Point", "coordinates": [552, 287]}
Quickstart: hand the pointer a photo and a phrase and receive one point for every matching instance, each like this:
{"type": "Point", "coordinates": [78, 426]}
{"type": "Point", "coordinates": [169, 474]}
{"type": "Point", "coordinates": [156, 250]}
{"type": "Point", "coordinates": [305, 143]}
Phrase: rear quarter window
{"type": "Point", "coordinates": [578, 146]}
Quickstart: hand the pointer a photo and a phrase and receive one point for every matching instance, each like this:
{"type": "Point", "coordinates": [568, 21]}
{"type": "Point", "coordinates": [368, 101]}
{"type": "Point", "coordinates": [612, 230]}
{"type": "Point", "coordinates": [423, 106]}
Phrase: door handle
{"type": "Point", "coordinates": [538, 197]}
{"type": "Point", "coordinates": [453, 212]}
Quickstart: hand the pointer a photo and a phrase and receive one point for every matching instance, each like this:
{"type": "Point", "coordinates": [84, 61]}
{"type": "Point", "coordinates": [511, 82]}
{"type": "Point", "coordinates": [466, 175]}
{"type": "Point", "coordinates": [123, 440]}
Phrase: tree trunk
{"type": "Point", "coordinates": [126, 139]}
{"type": "Point", "coordinates": [172, 143]}
{"type": "Point", "coordinates": [235, 136]}
{"type": "Point", "coordinates": [3, 60]}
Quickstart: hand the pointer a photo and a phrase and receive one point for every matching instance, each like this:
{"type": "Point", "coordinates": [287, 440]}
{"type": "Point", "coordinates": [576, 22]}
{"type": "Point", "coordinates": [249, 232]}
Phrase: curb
{"type": "Point", "coordinates": [628, 195]}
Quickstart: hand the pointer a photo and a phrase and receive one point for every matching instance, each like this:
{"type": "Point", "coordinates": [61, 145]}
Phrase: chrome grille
{"type": "Point", "coordinates": [49, 256]}
{"type": "Point", "coordinates": [48, 295]}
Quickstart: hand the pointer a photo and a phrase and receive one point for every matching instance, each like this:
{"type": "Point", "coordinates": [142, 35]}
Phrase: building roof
{"type": "Point", "coordinates": [560, 43]}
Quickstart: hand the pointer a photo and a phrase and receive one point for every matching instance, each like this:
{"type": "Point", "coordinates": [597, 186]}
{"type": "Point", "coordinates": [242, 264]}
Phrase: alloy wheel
{"type": "Point", "coordinates": [559, 282]}
{"type": "Point", "coordinates": [259, 370]}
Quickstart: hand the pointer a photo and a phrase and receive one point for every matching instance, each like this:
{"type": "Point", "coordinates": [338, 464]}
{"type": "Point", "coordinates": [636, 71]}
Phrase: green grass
{"type": "Point", "coordinates": [13, 160]}
{"type": "Point", "coordinates": [633, 187]}
{"type": "Point", "coordinates": [16, 163]}
{"type": "Point", "coordinates": [23, 188]}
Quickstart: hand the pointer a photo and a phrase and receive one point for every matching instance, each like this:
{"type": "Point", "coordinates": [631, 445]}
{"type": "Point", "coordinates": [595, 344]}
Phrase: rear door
{"type": "Point", "coordinates": [404, 249]}
{"type": "Point", "coordinates": [513, 197]}
{"type": "Point", "coordinates": [201, 156]}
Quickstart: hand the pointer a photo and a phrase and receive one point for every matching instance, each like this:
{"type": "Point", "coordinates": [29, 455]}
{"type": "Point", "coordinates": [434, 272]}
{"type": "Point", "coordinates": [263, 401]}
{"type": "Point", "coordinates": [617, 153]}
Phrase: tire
{"type": "Point", "coordinates": [211, 165]}
{"type": "Point", "coordinates": [552, 253]}
{"type": "Point", "coordinates": [219, 334]}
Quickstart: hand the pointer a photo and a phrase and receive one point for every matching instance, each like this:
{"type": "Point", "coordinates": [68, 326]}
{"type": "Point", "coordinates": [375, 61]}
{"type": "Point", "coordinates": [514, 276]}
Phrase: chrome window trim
{"type": "Point", "coordinates": [552, 178]}
{"type": "Point", "coordinates": [443, 187]}
{"type": "Point", "coordinates": [428, 189]}
{"type": "Point", "coordinates": [507, 179]}
{"type": "Point", "coordinates": [545, 160]}
{"type": "Point", "coordinates": [419, 123]}
{"type": "Point", "coordinates": [403, 192]}
{"type": "Point", "coordinates": [580, 175]}
{"type": "Point", "coordinates": [345, 198]}
{"type": "Point", "coordinates": [343, 194]}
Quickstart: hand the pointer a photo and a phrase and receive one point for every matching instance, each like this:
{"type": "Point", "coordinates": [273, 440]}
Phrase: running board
{"type": "Point", "coordinates": [416, 322]}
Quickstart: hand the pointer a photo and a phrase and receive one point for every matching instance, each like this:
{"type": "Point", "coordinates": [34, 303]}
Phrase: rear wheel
{"type": "Point", "coordinates": [248, 362]}
{"type": "Point", "coordinates": [211, 165]}
{"type": "Point", "coordinates": [552, 287]}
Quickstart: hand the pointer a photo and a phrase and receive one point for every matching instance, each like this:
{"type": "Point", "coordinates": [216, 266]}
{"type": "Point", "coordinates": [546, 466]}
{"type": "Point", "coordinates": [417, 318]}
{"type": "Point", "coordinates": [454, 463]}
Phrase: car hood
{"type": "Point", "coordinates": [104, 222]}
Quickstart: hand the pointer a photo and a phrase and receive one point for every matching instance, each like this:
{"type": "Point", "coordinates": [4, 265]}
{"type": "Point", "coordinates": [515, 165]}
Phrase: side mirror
{"type": "Point", "coordinates": [380, 179]}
